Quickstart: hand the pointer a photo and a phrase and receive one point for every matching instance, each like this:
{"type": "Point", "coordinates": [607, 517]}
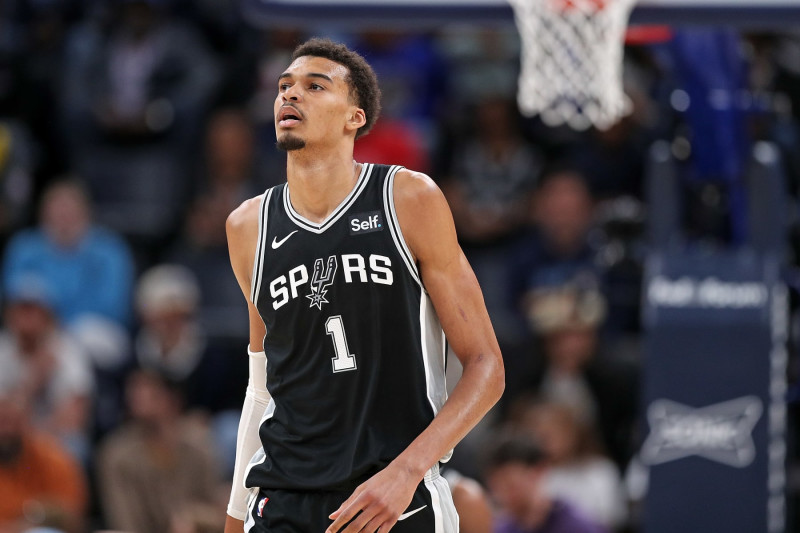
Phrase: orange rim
{"type": "Point", "coordinates": [648, 34]}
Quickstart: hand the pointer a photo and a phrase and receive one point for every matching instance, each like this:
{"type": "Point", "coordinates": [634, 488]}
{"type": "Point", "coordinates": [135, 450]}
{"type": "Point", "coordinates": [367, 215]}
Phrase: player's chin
{"type": "Point", "coordinates": [289, 142]}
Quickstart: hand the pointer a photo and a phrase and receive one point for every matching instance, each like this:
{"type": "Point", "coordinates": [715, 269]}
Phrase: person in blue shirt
{"type": "Point", "coordinates": [90, 269]}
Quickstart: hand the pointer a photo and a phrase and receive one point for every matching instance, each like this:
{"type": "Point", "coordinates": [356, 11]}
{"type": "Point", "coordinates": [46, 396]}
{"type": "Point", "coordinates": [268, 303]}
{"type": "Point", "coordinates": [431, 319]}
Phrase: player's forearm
{"type": "Point", "coordinates": [232, 525]}
{"type": "Point", "coordinates": [480, 387]}
{"type": "Point", "coordinates": [247, 441]}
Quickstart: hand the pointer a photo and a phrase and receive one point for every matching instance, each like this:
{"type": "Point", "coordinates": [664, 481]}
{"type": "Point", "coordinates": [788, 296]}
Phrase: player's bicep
{"type": "Point", "coordinates": [429, 230]}
{"type": "Point", "coordinates": [458, 300]}
{"type": "Point", "coordinates": [241, 229]}
{"type": "Point", "coordinates": [242, 232]}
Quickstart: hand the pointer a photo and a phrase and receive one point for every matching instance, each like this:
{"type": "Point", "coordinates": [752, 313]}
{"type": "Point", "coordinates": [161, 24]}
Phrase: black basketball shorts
{"type": "Point", "coordinates": [293, 511]}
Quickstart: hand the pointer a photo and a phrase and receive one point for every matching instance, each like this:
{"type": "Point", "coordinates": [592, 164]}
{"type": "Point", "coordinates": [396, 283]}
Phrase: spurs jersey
{"type": "Point", "coordinates": [355, 351]}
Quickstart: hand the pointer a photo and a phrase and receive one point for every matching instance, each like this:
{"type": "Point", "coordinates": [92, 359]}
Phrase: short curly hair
{"type": "Point", "coordinates": [361, 78]}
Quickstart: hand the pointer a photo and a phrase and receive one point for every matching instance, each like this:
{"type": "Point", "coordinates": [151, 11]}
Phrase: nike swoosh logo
{"type": "Point", "coordinates": [277, 243]}
{"type": "Point", "coordinates": [406, 515]}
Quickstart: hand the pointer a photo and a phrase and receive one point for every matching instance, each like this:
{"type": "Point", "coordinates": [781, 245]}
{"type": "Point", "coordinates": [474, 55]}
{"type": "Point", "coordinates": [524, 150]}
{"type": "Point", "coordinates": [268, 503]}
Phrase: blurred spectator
{"type": "Point", "coordinates": [491, 179]}
{"type": "Point", "coordinates": [515, 471]}
{"type": "Point", "coordinates": [55, 368]}
{"type": "Point", "coordinates": [88, 269]}
{"type": "Point", "coordinates": [492, 176]}
{"type": "Point", "coordinates": [134, 96]}
{"type": "Point", "coordinates": [554, 249]}
{"type": "Point", "coordinates": [88, 272]}
{"type": "Point", "coordinates": [558, 246]}
{"type": "Point", "coordinates": [231, 169]}
{"type": "Point", "coordinates": [483, 65]}
{"type": "Point", "coordinates": [613, 160]}
{"type": "Point", "coordinates": [41, 485]}
{"type": "Point", "coordinates": [574, 371]}
{"type": "Point", "coordinates": [578, 472]}
{"type": "Point", "coordinates": [230, 177]}
{"type": "Point", "coordinates": [471, 501]}
{"type": "Point", "coordinates": [156, 472]}
{"type": "Point", "coordinates": [171, 341]}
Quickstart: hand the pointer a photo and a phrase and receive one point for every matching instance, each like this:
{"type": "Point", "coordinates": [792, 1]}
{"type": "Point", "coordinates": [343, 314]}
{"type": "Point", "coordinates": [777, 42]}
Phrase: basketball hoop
{"type": "Point", "coordinates": [572, 60]}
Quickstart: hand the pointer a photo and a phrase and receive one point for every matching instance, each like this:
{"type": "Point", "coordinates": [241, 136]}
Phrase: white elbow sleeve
{"type": "Point", "coordinates": [247, 441]}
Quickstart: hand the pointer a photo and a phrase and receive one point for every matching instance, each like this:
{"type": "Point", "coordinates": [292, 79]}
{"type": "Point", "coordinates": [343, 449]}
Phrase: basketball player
{"type": "Point", "coordinates": [353, 276]}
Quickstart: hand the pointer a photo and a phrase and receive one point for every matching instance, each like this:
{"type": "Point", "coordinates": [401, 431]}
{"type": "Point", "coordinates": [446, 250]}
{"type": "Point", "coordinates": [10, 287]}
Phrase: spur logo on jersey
{"type": "Point", "coordinates": [355, 268]}
{"type": "Point", "coordinates": [322, 278]}
{"type": "Point", "coordinates": [366, 223]}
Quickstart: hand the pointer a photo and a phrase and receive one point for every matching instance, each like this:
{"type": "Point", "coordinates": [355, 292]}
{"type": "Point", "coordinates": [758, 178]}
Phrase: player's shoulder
{"type": "Point", "coordinates": [244, 216]}
{"type": "Point", "coordinates": [415, 189]}
{"type": "Point", "coordinates": [242, 230]}
{"type": "Point", "coordinates": [422, 212]}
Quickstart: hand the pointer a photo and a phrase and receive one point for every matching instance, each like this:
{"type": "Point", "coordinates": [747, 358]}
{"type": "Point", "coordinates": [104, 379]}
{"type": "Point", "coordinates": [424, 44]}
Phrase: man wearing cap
{"type": "Point", "coordinates": [55, 369]}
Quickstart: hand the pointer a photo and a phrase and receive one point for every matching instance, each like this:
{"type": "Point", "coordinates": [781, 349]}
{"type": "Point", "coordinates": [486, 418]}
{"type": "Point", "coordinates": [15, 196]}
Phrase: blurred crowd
{"type": "Point", "coordinates": [130, 129]}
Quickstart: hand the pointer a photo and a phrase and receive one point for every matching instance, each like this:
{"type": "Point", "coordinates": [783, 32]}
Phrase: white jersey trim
{"type": "Point", "coordinates": [394, 225]}
{"type": "Point", "coordinates": [251, 503]}
{"type": "Point", "coordinates": [258, 263]}
{"type": "Point", "coordinates": [434, 347]}
{"type": "Point", "coordinates": [446, 518]}
{"type": "Point", "coordinates": [341, 209]}
{"type": "Point", "coordinates": [260, 456]}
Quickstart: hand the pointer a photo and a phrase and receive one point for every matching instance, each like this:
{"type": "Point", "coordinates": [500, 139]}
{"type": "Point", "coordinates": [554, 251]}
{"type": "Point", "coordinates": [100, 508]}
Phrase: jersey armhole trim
{"type": "Point", "coordinates": [252, 353]}
{"type": "Point", "coordinates": [258, 263]}
{"type": "Point", "coordinates": [394, 224]}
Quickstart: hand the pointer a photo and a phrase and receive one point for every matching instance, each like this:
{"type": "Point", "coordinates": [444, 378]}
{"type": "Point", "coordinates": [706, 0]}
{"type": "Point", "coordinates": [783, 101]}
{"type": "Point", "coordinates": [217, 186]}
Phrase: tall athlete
{"type": "Point", "coordinates": [357, 289]}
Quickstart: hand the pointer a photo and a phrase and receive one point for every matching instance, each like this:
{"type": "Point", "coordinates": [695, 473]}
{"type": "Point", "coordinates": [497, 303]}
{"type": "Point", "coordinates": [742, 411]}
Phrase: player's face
{"type": "Point", "coordinates": [313, 103]}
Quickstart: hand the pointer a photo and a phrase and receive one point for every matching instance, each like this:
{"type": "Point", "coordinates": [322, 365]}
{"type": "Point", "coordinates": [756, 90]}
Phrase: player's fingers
{"type": "Point", "coordinates": [385, 527]}
{"type": "Point", "coordinates": [370, 526]}
{"type": "Point", "coordinates": [345, 504]}
{"type": "Point", "coordinates": [364, 523]}
{"type": "Point", "coordinates": [344, 515]}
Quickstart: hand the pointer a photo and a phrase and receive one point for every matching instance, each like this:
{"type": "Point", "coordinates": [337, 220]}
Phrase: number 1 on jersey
{"type": "Point", "coordinates": [344, 360]}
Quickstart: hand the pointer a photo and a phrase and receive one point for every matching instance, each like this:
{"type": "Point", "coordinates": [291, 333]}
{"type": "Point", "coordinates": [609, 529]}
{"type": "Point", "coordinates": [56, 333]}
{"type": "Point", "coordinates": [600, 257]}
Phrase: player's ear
{"type": "Point", "coordinates": [356, 118]}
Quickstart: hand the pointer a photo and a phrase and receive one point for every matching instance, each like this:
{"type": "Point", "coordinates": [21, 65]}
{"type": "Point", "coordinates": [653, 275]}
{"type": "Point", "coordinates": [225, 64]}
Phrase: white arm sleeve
{"type": "Point", "coordinates": [247, 442]}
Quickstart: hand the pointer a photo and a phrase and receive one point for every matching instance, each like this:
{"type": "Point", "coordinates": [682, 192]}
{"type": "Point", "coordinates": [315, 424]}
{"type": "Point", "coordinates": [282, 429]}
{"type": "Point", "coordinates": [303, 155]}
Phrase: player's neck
{"type": "Point", "coordinates": [318, 184]}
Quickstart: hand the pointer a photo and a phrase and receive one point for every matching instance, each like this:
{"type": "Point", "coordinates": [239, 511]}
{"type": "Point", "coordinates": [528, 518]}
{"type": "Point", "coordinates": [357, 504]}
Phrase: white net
{"type": "Point", "coordinates": [572, 60]}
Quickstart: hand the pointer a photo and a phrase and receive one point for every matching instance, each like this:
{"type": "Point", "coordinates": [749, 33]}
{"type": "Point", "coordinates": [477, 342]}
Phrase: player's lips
{"type": "Point", "coordinates": [289, 116]}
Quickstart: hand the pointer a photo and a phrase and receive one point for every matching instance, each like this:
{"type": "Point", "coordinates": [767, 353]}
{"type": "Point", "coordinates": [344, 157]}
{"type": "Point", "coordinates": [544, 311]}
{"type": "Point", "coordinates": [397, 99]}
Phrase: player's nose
{"type": "Point", "coordinates": [292, 94]}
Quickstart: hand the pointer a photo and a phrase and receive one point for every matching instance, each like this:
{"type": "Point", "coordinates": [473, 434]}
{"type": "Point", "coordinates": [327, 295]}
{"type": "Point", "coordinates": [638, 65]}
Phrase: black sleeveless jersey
{"type": "Point", "coordinates": [355, 351]}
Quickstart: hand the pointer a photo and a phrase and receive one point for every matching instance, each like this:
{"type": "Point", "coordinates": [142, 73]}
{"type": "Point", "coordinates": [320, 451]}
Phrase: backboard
{"type": "Point", "coordinates": [433, 13]}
